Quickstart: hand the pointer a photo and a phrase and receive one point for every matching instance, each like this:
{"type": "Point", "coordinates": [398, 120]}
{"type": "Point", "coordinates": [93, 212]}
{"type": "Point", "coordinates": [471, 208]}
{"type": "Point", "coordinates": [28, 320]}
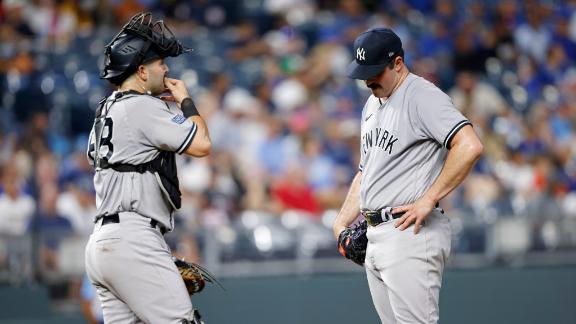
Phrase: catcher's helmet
{"type": "Point", "coordinates": [139, 41]}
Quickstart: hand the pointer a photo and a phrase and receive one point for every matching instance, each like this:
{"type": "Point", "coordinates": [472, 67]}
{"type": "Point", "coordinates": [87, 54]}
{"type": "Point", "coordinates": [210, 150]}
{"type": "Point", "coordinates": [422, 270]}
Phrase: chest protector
{"type": "Point", "coordinates": [163, 166]}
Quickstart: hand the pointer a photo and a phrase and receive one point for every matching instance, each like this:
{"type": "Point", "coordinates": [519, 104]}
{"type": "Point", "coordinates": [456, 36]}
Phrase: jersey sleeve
{"type": "Point", "coordinates": [436, 117]}
{"type": "Point", "coordinates": [161, 126]}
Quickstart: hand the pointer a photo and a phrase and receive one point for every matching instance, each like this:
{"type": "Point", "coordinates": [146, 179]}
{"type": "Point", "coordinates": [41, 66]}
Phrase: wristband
{"type": "Point", "coordinates": [188, 108]}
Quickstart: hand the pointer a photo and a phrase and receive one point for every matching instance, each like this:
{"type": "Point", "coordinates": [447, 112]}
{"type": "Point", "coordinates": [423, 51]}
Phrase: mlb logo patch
{"type": "Point", "coordinates": [178, 119]}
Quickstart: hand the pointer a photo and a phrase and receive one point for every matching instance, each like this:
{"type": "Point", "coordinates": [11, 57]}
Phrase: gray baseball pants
{"type": "Point", "coordinates": [131, 267]}
{"type": "Point", "coordinates": [404, 269]}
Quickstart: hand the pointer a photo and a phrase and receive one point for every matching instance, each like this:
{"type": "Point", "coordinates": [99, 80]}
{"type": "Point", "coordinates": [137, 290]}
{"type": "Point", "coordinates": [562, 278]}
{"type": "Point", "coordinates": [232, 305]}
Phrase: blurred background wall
{"type": "Point", "coordinates": [269, 78]}
{"type": "Point", "coordinates": [473, 296]}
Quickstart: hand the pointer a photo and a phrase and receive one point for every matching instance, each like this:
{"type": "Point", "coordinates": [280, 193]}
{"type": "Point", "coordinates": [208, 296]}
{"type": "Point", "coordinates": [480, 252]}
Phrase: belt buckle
{"type": "Point", "coordinates": [368, 217]}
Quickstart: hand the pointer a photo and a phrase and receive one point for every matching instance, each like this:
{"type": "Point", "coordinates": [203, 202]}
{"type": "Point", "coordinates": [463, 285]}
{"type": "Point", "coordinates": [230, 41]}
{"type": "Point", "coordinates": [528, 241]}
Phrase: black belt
{"type": "Point", "coordinates": [377, 217]}
{"type": "Point", "coordinates": [110, 219]}
{"type": "Point", "coordinates": [115, 219]}
{"type": "Point", "coordinates": [155, 223]}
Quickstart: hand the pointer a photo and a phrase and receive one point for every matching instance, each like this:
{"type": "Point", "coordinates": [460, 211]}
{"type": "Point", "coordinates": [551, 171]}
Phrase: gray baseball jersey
{"type": "Point", "coordinates": [404, 142]}
{"type": "Point", "coordinates": [136, 128]}
{"type": "Point", "coordinates": [404, 146]}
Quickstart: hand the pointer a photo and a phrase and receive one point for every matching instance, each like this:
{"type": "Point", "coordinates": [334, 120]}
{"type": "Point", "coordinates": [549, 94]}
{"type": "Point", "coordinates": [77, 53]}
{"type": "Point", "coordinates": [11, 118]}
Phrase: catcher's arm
{"type": "Point", "coordinates": [350, 208]}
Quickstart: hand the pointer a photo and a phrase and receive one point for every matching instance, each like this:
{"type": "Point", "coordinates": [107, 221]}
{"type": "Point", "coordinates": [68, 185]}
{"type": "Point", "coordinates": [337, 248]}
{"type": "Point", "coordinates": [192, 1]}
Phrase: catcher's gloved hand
{"type": "Point", "coordinates": [194, 276]}
{"type": "Point", "coordinates": [191, 275]}
{"type": "Point", "coordinates": [352, 243]}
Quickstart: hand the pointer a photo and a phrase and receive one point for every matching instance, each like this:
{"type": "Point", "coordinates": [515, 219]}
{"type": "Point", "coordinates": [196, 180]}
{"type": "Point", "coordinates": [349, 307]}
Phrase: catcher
{"type": "Point", "coordinates": [132, 147]}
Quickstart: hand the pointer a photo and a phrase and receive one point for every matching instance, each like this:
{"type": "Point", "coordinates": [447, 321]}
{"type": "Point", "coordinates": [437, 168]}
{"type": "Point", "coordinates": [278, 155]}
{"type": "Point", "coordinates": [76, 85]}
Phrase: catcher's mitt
{"type": "Point", "coordinates": [194, 276]}
{"type": "Point", "coordinates": [352, 243]}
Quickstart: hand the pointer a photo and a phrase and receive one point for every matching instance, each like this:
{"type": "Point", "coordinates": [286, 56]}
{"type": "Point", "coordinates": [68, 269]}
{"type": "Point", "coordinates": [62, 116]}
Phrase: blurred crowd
{"type": "Point", "coordinates": [269, 78]}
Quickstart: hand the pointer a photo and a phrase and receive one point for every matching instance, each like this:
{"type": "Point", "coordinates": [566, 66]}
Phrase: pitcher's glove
{"type": "Point", "coordinates": [352, 243]}
{"type": "Point", "coordinates": [194, 276]}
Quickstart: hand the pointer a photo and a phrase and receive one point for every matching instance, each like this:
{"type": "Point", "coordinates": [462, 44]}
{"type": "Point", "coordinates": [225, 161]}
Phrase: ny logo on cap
{"type": "Point", "coordinates": [360, 54]}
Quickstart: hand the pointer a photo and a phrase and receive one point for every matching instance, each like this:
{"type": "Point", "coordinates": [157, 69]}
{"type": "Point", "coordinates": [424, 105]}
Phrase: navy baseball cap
{"type": "Point", "coordinates": [374, 49]}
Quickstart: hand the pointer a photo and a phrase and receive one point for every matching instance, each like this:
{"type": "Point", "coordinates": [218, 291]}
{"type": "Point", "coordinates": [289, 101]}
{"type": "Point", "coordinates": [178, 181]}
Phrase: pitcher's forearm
{"type": "Point", "coordinates": [351, 206]}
